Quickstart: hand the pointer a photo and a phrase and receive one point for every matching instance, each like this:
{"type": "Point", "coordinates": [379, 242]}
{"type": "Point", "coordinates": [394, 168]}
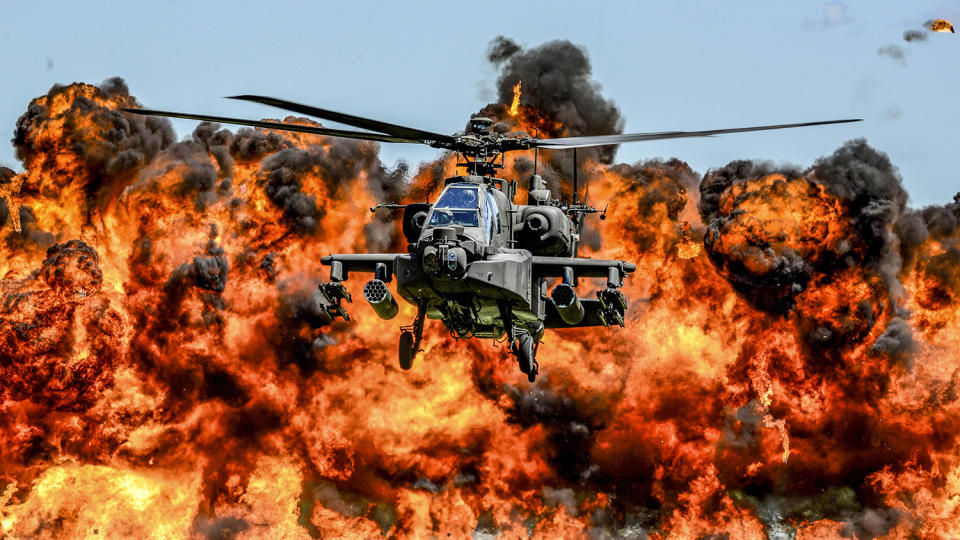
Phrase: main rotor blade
{"type": "Point", "coordinates": [603, 140]}
{"type": "Point", "coordinates": [277, 125]}
{"type": "Point", "coordinates": [349, 119]}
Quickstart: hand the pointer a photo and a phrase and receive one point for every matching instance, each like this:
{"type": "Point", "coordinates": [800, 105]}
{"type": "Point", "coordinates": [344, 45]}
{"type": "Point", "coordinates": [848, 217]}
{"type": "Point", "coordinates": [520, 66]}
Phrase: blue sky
{"type": "Point", "coordinates": [668, 65]}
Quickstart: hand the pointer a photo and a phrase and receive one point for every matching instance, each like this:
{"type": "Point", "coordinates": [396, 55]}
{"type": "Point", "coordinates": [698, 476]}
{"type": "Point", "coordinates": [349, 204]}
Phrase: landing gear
{"type": "Point", "coordinates": [411, 336]}
{"type": "Point", "coordinates": [526, 351]}
{"type": "Point", "coordinates": [522, 344]}
{"type": "Point", "coordinates": [406, 350]}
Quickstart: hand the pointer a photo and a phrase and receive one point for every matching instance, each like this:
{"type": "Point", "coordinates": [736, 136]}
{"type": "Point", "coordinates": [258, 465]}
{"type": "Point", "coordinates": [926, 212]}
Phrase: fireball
{"type": "Point", "coordinates": [941, 25]}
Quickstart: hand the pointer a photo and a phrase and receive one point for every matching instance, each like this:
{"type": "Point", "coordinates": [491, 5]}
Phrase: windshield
{"type": "Point", "coordinates": [457, 206]}
{"type": "Point", "coordinates": [458, 197]}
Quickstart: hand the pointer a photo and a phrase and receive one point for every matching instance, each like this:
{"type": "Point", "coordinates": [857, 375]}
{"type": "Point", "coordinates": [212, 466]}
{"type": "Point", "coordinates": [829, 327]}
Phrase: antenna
{"type": "Point", "coordinates": [535, 148]}
{"type": "Point", "coordinates": [575, 196]}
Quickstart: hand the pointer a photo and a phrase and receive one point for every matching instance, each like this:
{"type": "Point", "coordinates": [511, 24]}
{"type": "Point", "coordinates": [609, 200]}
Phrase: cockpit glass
{"type": "Point", "coordinates": [457, 206]}
{"type": "Point", "coordinates": [446, 216]}
{"type": "Point", "coordinates": [458, 197]}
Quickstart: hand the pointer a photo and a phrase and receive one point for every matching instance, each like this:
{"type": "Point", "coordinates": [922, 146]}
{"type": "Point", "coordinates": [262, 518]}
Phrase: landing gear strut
{"type": "Point", "coordinates": [411, 336]}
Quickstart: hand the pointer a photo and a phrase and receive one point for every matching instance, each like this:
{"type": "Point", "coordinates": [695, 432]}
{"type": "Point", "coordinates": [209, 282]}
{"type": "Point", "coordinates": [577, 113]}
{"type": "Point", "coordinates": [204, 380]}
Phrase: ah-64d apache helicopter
{"type": "Point", "coordinates": [475, 259]}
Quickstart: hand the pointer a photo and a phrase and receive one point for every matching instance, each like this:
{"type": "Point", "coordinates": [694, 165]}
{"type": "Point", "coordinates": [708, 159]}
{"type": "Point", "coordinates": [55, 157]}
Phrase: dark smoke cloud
{"type": "Point", "coordinates": [896, 342]}
{"type": "Point", "coordinates": [107, 146]}
{"type": "Point", "coordinates": [337, 163]}
{"type": "Point", "coordinates": [208, 272]}
{"type": "Point", "coordinates": [716, 182]}
{"type": "Point", "coordinates": [298, 339]}
{"type": "Point", "coordinates": [941, 225]}
{"type": "Point", "coordinates": [217, 142]}
{"type": "Point", "coordinates": [557, 80]}
{"type": "Point", "coordinates": [500, 49]}
{"type": "Point", "coordinates": [910, 36]}
{"type": "Point", "coordinates": [199, 182]}
{"type": "Point", "coordinates": [251, 144]}
{"type": "Point", "coordinates": [871, 187]}
{"type": "Point", "coordinates": [389, 186]}
{"type": "Point", "coordinates": [872, 190]}
{"type": "Point", "coordinates": [31, 236]}
{"type": "Point", "coordinates": [914, 35]}
{"type": "Point", "coordinates": [894, 52]}
{"type": "Point", "coordinates": [872, 199]}
{"type": "Point", "coordinates": [281, 178]}
{"type": "Point", "coordinates": [937, 226]}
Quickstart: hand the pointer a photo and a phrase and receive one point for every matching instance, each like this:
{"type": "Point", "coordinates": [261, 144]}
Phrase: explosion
{"type": "Point", "coordinates": [940, 25]}
{"type": "Point", "coordinates": [789, 368]}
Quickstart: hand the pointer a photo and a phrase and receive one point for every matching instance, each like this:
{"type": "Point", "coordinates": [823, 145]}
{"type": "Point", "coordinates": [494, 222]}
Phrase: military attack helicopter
{"type": "Point", "coordinates": [475, 259]}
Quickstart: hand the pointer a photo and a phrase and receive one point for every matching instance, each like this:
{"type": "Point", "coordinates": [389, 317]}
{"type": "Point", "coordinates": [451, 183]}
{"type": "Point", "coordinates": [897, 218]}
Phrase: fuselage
{"type": "Point", "coordinates": [463, 263]}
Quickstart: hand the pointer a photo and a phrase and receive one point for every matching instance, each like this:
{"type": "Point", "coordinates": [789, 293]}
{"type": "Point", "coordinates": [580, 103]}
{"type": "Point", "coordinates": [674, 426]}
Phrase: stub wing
{"type": "Point", "coordinates": [554, 267]}
{"type": "Point", "coordinates": [333, 292]}
{"type": "Point", "coordinates": [342, 264]}
{"type": "Point", "coordinates": [609, 306]}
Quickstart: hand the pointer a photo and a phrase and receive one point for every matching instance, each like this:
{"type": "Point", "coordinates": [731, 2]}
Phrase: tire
{"type": "Point", "coordinates": [405, 350]}
{"type": "Point", "coordinates": [525, 353]}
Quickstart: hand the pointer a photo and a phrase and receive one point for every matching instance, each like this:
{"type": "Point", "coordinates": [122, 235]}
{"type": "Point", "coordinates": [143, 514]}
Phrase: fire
{"type": "Point", "coordinates": [515, 104]}
{"type": "Point", "coordinates": [788, 367]}
{"type": "Point", "coordinates": [8, 192]}
{"type": "Point", "coordinates": [941, 25]}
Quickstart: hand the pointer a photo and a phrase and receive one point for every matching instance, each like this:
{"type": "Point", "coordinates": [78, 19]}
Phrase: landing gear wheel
{"type": "Point", "coordinates": [406, 350]}
{"type": "Point", "coordinates": [525, 355]}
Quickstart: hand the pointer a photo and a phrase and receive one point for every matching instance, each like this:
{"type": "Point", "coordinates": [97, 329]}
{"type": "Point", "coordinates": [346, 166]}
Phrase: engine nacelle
{"type": "Point", "coordinates": [568, 303]}
{"type": "Point", "coordinates": [380, 299]}
{"type": "Point", "coordinates": [544, 230]}
{"type": "Point", "coordinates": [414, 218]}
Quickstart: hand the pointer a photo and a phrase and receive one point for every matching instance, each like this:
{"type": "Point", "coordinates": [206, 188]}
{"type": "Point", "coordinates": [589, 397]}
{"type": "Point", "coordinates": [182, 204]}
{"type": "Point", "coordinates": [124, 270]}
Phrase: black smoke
{"type": "Point", "coordinates": [108, 146]}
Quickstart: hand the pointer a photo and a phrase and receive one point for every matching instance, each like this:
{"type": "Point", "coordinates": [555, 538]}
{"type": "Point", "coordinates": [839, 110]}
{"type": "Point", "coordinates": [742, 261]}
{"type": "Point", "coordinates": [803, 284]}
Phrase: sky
{"type": "Point", "coordinates": [668, 65]}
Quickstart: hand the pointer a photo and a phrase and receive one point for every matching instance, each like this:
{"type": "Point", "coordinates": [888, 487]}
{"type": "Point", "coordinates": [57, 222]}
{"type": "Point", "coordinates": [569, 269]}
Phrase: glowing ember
{"type": "Point", "coordinates": [515, 104]}
{"type": "Point", "coordinates": [941, 25]}
{"type": "Point", "coordinates": [790, 365]}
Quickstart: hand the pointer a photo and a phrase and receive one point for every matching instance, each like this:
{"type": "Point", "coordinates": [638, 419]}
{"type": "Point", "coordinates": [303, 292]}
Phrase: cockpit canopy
{"type": "Point", "coordinates": [458, 205]}
{"type": "Point", "coordinates": [467, 205]}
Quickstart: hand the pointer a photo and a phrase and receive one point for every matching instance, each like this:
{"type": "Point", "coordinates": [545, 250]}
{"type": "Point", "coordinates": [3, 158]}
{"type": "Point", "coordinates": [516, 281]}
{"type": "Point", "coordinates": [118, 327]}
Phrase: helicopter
{"type": "Point", "coordinates": [475, 259]}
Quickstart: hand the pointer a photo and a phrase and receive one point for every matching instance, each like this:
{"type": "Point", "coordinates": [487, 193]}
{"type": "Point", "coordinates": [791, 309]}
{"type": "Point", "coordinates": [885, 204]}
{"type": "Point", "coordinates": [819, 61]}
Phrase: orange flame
{"type": "Point", "coordinates": [515, 104]}
{"type": "Point", "coordinates": [941, 25]}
